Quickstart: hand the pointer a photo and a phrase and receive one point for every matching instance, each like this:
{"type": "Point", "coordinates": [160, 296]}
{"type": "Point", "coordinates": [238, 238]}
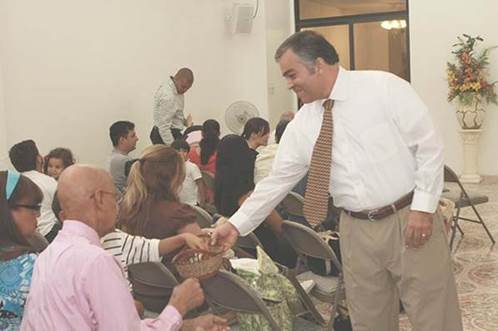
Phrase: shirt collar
{"type": "Point", "coordinates": [80, 229]}
{"type": "Point", "coordinates": [340, 90]}
{"type": "Point", "coordinates": [172, 85]}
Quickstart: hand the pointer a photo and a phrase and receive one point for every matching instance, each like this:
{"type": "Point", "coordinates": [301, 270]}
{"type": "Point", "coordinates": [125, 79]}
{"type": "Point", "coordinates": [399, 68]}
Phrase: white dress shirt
{"type": "Point", "coordinates": [384, 146]}
{"type": "Point", "coordinates": [48, 186]}
{"type": "Point", "coordinates": [168, 110]}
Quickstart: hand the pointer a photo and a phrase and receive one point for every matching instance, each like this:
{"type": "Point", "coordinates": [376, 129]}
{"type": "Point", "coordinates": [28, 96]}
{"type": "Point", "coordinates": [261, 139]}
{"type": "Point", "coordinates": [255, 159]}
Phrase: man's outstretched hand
{"type": "Point", "coordinates": [224, 234]}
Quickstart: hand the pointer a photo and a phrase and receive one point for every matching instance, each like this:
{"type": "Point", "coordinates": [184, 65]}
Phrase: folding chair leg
{"type": "Point", "coordinates": [337, 299]}
{"type": "Point", "coordinates": [483, 224]}
{"type": "Point", "coordinates": [454, 227]}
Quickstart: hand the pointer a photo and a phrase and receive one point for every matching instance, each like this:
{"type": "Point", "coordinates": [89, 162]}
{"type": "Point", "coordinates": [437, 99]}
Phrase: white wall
{"type": "Point", "coordinates": [3, 117]}
{"type": "Point", "coordinates": [434, 26]}
{"type": "Point", "coordinates": [279, 26]}
{"type": "Point", "coordinates": [71, 68]}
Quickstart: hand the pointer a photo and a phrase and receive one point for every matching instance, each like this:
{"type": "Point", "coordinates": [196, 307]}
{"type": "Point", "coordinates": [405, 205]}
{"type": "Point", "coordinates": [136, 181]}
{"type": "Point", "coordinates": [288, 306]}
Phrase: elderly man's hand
{"type": "Point", "coordinates": [225, 234]}
{"type": "Point", "coordinates": [187, 296]}
{"type": "Point", "coordinates": [419, 229]}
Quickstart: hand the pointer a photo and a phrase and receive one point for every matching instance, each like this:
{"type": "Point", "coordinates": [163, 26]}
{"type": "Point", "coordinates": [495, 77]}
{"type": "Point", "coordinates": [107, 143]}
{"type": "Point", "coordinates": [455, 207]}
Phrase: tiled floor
{"type": "Point", "coordinates": [476, 266]}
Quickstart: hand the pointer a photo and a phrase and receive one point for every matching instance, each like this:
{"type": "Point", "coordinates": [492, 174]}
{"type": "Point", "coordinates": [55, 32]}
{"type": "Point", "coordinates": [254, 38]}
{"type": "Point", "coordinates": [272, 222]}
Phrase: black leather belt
{"type": "Point", "coordinates": [382, 212]}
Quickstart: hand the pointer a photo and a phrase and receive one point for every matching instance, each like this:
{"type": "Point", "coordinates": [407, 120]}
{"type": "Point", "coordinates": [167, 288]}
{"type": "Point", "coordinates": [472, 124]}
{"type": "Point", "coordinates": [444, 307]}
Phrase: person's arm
{"type": "Point", "coordinates": [274, 220]}
{"type": "Point", "coordinates": [168, 245]}
{"type": "Point", "coordinates": [201, 188]}
{"type": "Point", "coordinates": [201, 191]}
{"type": "Point", "coordinates": [417, 130]}
{"type": "Point", "coordinates": [112, 305]}
{"type": "Point", "coordinates": [289, 167]}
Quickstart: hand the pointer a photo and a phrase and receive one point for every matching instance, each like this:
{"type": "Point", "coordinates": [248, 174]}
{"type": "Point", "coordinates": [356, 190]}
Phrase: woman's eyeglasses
{"type": "Point", "coordinates": [32, 207]}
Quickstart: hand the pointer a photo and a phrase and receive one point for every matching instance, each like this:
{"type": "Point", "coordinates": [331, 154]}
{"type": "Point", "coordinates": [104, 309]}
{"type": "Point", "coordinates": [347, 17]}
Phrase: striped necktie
{"type": "Point", "coordinates": [317, 191]}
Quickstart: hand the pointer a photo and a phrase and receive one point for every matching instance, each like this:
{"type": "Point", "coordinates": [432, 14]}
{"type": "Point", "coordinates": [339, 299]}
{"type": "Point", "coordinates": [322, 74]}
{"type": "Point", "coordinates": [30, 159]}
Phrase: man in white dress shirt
{"type": "Point", "coordinates": [387, 175]}
{"type": "Point", "coordinates": [169, 120]}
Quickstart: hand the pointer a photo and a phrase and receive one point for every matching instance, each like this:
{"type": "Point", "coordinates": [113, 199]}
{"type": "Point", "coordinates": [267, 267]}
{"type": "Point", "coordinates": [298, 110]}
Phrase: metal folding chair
{"type": "Point", "coordinates": [463, 199]}
{"type": "Point", "coordinates": [152, 284]}
{"type": "Point", "coordinates": [203, 218]}
{"type": "Point", "coordinates": [307, 242]}
{"type": "Point", "coordinates": [231, 292]}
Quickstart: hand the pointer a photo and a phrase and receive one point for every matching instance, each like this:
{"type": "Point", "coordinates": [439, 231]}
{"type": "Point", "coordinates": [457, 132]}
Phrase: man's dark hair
{"type": "Point", "coordinates": [180, 144]}
{"type": "Point", "coordinates": [308, 46]}
{"type": "Point", "coordinates": [23, 155]}
{"type": "Point", "coordinates": [279, 130]}
{"type": "Point", "coordinates": [120, 129]}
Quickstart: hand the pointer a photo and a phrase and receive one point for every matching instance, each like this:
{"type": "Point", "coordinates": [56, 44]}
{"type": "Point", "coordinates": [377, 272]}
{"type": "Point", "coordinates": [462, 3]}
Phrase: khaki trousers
{"type": "Point", "coordinates": [378, 270]}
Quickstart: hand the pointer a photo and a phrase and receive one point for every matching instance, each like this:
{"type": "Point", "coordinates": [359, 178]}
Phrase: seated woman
{"type": "Point", "coordinates": [204, 156]}
{"type": "Point", "coordinates": [234, 182]}
{"type": "Point", "coordinates": [20, 201]}
{"type": "Point", "coordinates": [150, 206]}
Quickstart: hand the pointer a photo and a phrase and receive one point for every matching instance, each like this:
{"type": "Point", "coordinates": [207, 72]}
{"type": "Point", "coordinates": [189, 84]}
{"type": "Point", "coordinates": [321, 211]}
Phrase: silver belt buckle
{"type": "Point", "coordinates": [370, 216]}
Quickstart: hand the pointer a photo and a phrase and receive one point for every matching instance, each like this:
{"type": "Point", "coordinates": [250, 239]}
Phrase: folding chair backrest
{"type": "Point", "coordinates": [202, 217]}
{"type": "Point", "coordinates": [38, 242]}
{"type": "Point", "coordinates": [307, 242]}
{"type": "Point", "coordinates": [249, 242]}
{"type": "Point", "coordinates": [450, 176]}
{"type": "Point", "coordinates": [293, 204]}
{"type": "Point", "coordinates": [208, 180]}
{"type": "Point", "coordinates": [232, 292]}
{"type": "Point", "coordinates": [152, 284]}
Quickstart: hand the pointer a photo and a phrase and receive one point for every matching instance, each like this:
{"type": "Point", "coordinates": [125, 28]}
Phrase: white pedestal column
{"type": "Point", "coordinates": [470, 140]}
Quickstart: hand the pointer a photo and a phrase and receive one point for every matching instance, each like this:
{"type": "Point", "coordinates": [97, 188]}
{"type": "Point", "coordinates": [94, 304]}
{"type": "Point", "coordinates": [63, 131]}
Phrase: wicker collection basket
{"type": "Point", "coordinates": [197, 263]}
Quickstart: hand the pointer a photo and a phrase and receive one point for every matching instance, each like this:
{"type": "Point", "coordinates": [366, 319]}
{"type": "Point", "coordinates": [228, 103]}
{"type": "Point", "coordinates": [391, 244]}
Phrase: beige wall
{"type": "Point", "coordinates": [71, 67]}
{"type": "Point", "coordinates": [434, 27]}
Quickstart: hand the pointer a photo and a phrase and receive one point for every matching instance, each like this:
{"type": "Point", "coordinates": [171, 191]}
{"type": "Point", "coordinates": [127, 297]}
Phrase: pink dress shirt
{"type": "Point", "coordinates": [77, 285]}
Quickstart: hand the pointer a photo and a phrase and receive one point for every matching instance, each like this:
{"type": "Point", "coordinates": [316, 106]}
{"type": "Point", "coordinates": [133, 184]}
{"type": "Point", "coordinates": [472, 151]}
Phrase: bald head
{"type": "Point", "coordinates": [81, 192]}
{"type": "Point", "coordinates": [184, 78]}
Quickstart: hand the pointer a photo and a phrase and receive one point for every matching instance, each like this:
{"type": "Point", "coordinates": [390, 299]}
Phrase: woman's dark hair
{"type": "Point", "coordinates": [279, 130]}
{"type": "Point", "coordinates": [234, 173]}
{"type": "Point", "coordinates": [59, 153]}
{"type": "Point", "coordinates": [256, 125]}
{"type": "Point", "coordinates": [25, 192]}
{"type": "Point", "coordinates": [210, 139]}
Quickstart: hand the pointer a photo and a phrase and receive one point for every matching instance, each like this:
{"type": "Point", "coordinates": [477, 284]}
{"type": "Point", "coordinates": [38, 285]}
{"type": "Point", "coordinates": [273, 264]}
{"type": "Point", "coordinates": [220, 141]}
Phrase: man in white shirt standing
{"type": "Point", "coordinates": [26, 158]}
{"type": "Point", "coordinates": [168, 117]}
{"type": "Point", "coordinates": [386, 172]}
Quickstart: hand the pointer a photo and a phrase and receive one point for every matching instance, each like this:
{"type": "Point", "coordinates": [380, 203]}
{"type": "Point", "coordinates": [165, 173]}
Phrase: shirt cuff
{"type": "Point", "coordinates": [242, 223]}
{"type": "Point", "coordinates": [172, 315]}
{"type": "Point", "coordinates": [425, 202]}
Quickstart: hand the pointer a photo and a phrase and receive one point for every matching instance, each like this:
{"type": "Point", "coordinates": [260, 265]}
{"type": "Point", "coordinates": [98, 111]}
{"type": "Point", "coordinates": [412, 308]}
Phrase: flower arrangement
{"type": "Point", "coordinates": [468, 77]}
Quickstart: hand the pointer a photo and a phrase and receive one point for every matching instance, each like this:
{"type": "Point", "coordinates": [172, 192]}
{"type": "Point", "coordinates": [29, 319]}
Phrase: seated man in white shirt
{"type": "Point", "coordinates": [193, 190]}
{"type": "Point", "coordinates": [26, 159]}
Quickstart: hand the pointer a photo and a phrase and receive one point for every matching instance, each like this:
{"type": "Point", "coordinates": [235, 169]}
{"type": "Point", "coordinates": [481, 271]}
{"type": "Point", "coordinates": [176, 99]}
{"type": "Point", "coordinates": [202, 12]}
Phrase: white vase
{"type": "Point", "coordinates": [470, 116]}
{"type": "Point", "coordinates": [470, 140]}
